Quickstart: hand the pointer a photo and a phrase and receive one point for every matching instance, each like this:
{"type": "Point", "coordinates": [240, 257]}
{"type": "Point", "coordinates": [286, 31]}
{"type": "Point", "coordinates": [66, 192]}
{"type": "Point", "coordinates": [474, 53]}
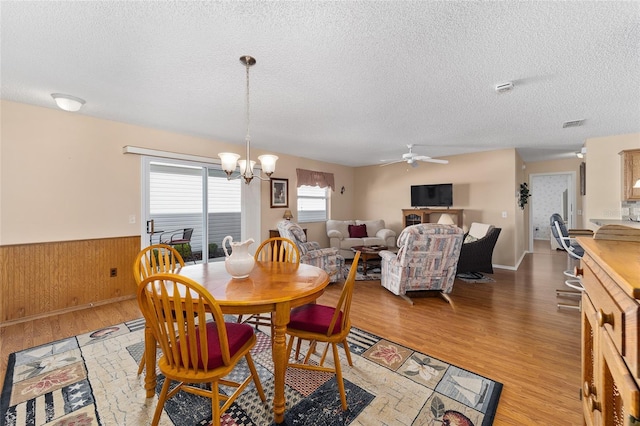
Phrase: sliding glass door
{"type": "Point", "coordinates": [198, 198]}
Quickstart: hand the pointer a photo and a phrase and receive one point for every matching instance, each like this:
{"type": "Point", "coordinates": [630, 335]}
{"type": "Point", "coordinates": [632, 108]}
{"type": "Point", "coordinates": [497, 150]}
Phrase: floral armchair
{"type": "Point", "coordinates": [310, 251]}
{"type": "Point", "coordinates": [426, 260]}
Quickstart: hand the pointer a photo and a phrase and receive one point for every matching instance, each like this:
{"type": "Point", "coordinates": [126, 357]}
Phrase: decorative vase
{"type": "Point", "coordinates": [239, 263]}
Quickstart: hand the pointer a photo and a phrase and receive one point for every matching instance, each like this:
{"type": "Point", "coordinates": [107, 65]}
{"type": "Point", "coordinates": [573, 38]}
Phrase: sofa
{"type": "Point", "coordinates": [344, 234]}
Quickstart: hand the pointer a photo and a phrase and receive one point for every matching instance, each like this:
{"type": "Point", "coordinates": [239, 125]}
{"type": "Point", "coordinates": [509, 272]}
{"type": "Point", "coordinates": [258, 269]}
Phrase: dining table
{"type": "Point", "coordinates": [275, 287]}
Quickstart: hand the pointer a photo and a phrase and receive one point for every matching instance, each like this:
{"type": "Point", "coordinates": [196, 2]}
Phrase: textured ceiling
{"type": "Point", "coordinates": [345, 82]}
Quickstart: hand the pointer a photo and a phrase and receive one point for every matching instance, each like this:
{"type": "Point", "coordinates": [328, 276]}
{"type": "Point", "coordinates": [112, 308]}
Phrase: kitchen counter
{"type": "Point", "coordinates": [602, 222]}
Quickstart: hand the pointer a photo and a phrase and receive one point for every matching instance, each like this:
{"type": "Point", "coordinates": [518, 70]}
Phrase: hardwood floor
{"type": "Point", "coordinates": [510, 331]}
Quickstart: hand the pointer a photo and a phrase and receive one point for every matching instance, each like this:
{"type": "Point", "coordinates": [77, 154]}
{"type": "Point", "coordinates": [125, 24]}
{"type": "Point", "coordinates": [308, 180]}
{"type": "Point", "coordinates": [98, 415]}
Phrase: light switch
{"type": "Point", "coordinates": [132, 218]}
{"type": "Point", "coordinates": [504, 215]}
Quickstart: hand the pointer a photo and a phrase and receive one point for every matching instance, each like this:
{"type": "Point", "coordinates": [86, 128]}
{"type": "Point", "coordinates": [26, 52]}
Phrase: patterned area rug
{"type": "Point", "coordinates": [91, 379]}
{"type": "Point", "coordinates": [475, 277]}
{"type": "Point", "coordinates": [373, 273]}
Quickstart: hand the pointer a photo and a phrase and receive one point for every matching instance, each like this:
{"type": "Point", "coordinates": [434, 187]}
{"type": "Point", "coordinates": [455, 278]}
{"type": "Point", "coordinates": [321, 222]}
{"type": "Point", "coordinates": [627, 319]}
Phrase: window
{"type": "Point", "coordinates": [312, 203]}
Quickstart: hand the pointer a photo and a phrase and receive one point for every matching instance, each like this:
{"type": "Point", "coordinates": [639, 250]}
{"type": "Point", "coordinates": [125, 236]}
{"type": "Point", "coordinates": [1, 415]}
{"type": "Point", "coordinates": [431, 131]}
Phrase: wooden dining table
{"type": "Point", "coordinates": [270, 287]}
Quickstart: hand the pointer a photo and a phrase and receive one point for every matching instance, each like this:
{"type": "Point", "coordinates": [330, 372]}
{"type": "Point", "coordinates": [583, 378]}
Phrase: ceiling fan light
{"type": "Point", "coordinates": [68, 102]}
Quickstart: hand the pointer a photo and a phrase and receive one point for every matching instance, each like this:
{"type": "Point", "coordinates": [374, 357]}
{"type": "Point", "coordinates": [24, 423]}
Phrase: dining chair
{"type": "Point", "coordinates": [195, 350]}
{"type": "Point", "coordinates": [155, 259]}
{"type": "Point", "coordinates": [329, 324]}
{"type": "Point", "coordinates": [274, 249]}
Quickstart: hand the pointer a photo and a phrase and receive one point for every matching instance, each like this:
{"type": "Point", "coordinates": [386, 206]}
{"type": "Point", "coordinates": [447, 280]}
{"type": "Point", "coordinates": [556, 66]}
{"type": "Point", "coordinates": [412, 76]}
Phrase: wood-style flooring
{"type": "Point", "coordinates": [510, 331]}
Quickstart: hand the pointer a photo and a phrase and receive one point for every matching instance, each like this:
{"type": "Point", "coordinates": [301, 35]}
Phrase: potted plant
{"type": "Point", "coordinates": [524, 195]}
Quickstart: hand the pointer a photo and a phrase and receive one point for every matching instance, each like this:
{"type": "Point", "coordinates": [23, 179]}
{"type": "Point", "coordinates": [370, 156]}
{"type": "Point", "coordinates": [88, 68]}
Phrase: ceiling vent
{"type": "Point", "coordinates": [573, 123]}
{"type": "Point", "coordinates": [504, 87]}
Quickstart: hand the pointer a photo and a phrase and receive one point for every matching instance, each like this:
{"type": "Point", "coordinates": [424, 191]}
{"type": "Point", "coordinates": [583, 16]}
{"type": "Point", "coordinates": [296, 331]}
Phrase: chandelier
{"type": "Point", "coordinates": [229, 159]}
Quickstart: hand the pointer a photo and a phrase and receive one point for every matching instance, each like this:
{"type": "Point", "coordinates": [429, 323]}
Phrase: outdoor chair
{"type": "Point", "coordinates": [181, 240]}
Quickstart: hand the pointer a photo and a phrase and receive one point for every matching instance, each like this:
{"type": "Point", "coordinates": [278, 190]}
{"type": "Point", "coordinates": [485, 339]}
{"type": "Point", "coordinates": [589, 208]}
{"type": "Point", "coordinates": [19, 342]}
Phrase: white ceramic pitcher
{"type": "Point", "coordinates": [239, 263]}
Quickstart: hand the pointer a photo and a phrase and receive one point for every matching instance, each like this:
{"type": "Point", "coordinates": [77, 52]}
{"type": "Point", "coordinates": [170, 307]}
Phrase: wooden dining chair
{"type": "Point", "coordinates": [195, 350]}
{"type": "Point", "coordinates": [274, 249]}
{"type": "Point", "coordinates": [155, 259]}
{"type": "Point", "coordinates": [329, 324]}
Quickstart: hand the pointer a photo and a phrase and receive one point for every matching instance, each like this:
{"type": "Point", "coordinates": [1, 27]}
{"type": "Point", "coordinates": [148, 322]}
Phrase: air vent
{"type": "Point", "coordinates": [573, 123]}
{"type": "Point", "coordinates": [504, 87]}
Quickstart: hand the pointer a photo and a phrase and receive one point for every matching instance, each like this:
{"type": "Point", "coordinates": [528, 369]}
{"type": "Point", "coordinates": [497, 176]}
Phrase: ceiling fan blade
{"type": "Point", "coordinates": [430, 160]}
{"type": "Point", "coordinates": [391, 162]}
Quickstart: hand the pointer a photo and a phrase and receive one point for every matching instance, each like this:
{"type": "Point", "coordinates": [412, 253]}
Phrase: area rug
{"type": "Point", "coordinates": [373, 273]}
{"type": "Point", "coordinates": [91, 379]}
{"type": "Point", "coordinates": [475, 277]}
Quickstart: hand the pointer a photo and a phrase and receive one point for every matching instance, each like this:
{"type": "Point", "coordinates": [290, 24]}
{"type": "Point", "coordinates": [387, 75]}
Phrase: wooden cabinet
{"type": "Point", "coordinates": [610, 330]}
{"type": "Point", "coordinates": [416, 216]}
{"type": "Point", "coordinates": [630, 174]}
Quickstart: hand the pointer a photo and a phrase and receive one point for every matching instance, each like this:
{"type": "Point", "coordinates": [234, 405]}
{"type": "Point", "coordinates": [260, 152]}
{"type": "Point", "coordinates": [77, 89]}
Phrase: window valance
{"type": "Point", "coordinates": [313, 178]}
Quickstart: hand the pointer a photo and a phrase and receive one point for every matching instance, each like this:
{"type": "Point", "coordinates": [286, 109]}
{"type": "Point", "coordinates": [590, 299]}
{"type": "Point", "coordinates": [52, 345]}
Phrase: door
{"type": "Point", "coordinates": [181, 195]}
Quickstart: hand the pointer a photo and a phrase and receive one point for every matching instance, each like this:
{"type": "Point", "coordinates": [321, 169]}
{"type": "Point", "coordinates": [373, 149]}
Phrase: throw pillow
{"type": "Point", "coordinates": [357, 231]}
{"type": "Point", "coordinates": [470, 239]}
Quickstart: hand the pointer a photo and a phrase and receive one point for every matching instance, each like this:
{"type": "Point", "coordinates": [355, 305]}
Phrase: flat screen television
{"type": "Point", "coordinates": [440, 195]}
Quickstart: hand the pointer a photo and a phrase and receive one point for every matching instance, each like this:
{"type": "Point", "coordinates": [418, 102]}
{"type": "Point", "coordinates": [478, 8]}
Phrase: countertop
{"type": "Point", "coordinates": [602, 222]}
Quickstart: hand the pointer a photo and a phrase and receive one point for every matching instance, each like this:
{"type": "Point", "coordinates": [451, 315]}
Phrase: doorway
{"type": "Point", "coordinates": [180, 195]}
{"type": "Point", "coordinates": [550, 193]}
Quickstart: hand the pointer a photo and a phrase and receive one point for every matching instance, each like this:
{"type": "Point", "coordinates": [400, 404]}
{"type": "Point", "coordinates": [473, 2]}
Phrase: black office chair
{"type": "Point", "coordinates": [565, 239]}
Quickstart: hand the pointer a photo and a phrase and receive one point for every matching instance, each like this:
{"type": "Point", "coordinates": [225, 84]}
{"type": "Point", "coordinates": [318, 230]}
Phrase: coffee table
{"type": "Point", "coordinates": [368, 253]}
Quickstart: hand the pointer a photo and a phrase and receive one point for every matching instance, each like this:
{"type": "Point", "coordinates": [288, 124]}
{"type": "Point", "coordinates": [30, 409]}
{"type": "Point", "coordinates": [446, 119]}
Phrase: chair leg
{"type": "Point", "coordinates": [347, 352]}
{"type": "Point", "coordinates": [336, 361]}
{"type": "Point", "coordinates": [141, 365]}
{"type": "Point", "coordinates": [215, 403]}
{"type": "Point", "coordinates": [161, 400]}
{"type": "Point", "coordinates": [254, 375]}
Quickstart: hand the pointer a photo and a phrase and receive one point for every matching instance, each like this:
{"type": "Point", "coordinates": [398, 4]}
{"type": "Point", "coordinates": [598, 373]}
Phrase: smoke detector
{"type": "Point", "coordinates": [504, 87]}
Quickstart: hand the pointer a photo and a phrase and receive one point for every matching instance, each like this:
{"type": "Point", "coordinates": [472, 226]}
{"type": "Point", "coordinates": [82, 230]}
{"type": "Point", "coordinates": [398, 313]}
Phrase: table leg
{"type": "Point", "coordinates": [150, 362]}
{"type": "Point", "coordinates": [280, 360]}
{"type": "Point", "coordinates": [364, 265]}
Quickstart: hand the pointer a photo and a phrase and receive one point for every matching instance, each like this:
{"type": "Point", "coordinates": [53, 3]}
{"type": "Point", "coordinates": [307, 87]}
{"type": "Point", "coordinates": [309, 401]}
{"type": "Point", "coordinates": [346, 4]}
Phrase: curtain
{"type": "Point", "coordinates": [313, 178]}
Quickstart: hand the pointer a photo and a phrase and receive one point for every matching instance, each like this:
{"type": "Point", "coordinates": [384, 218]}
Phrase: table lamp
{"type": "Point", "coordinates": [446, 219]}
{"type": "Point", "coordinates": [287, 215]}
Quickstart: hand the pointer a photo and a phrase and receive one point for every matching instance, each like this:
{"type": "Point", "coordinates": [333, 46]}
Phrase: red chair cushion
{"type": "Point", "coordinates": [357, 231]}
{"type": "Point", "coordinates": [238, 335]}
{"type": "Point", "coordinates": [314, 318]}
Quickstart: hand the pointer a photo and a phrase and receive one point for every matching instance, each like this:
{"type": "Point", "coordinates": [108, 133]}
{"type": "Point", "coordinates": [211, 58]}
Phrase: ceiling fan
{"type": "Point", "coordinates": [413, 159]}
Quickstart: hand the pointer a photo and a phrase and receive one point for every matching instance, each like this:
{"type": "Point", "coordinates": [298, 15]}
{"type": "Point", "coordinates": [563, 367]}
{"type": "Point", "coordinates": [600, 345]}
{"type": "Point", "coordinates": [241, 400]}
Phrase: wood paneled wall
{"type": "Point", "coordinates": [42, 278]}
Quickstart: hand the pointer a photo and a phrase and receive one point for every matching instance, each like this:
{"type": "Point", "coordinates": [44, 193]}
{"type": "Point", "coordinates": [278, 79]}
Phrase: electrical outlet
{"type": "Point", "coordinates": [113, 272]}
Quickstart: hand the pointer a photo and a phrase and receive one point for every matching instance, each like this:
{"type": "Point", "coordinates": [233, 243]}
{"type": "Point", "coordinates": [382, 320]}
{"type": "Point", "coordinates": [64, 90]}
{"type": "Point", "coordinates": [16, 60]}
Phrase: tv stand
{"type": "Point", "coordinates": [430, 215]}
